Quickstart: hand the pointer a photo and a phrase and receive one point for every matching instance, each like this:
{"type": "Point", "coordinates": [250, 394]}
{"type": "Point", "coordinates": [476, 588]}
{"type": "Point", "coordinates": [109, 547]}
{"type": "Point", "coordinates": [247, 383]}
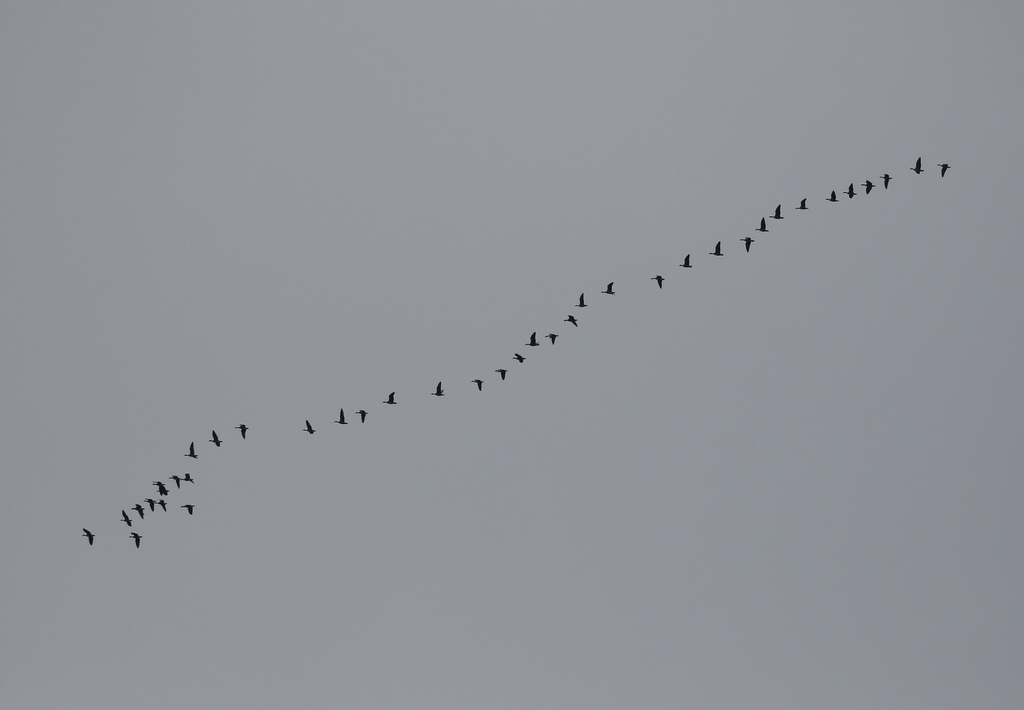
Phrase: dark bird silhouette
{"type": "Point", "coordinates": [188, 477]}
{"type": "Point", "coordinates": [552, 336]}
{"type": "Point", "coordinates": [161, 488]}
{"type": "Point", "coordinates": [390, 399]}
{"type": "Point", "coordinates": [192, 451]}
{"type": "Point", "coordinates": [242, 428]}
{"type": "Point", "coordinates": [917, 167]}
{"type": "Point", "coordinates": [763, 227]}
{"type": "Point", "coordinates": [849, 192]}
{"type": "Point", "coordinates": [124, 517]}
{"type": "Point", "coordinates": [188, 507]}
{"type": "Point", "coordinates": [86, 533]}
{"type": "Point", "coordinates": [518, 357]}
{"type": "Point", "coordinates": [479, 384]}
{"type": "Point", "coordinates": [833, 198]}
{"type": "Point", "coordinates": [945, 167]}
{"type": "Point", "coordinates": [440, 392]}
{"type": "Point", "coordinates": [748, 241]}
{"type": "Point", "coordinates": [309, 428]}
{"type": "Point", "coordinates": [501, 372]}
{"type": "Point", "coordinates": [778, 213]}
{"type": "Point", "coordinates": [341, 417]}
{"type": "Point", "coordinates": [215, 440]}
{"type": "Point", "coordinates": [177, 481]}
{"type": "Point", "coordinates": [718, 250]}
{"type": "Point", "coordinates": [885, 180]}
{"type": "Point", "coordinates": [867, 185]}
{"type": "Point", "coordinates": [572, 319]}
{"type": "Point", "coordinates": [686, 262]}
{"type": "Point", "coordinates": [362, 416]}
{"type": "Point", "coordinates": [609, 290]}
{"type": "Point", "coordinates": [533, 340]}
{"type": "Point", "coordinates": [659, 278]}
{"type": "Point", "coordinates": [582, 303]}
{"type": "Point", "coordinates": [138, 538]}
{"type": "Point", "coordinates": [803, 204]}
{"type": "Point", "coordinates": [152, 503]}
{"type": "Point", "coordinates": [163, 504]}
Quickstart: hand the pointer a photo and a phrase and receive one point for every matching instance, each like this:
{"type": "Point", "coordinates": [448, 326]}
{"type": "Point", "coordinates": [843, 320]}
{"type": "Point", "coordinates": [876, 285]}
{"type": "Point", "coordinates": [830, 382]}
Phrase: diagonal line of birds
{"type": "Point", "coordinates": [164, 492]}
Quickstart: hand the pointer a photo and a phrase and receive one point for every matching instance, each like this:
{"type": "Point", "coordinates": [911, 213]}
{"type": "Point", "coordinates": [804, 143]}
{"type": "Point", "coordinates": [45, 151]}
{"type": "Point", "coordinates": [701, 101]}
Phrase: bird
{"type": "Point", "coordinates": [572, 319]}
{"type": "Point", "coordinates": [124, 517]}
{"type": "Point", "coordinates": [609, 290]}
{"type": "Point", "coordinates": [501, 372]}
{"type": "Point", "coordinates": [747, 241]}
{"type": "Point", "coordinates": [86, 533]}
{"type": "Point", "coordinates": [440, 392]}
{"type": "Point", "coordinates": [583, 304]}
{"type": "Point", "coordinates": [163, 504]}
{"type": "Point", "coordinates": [162, 489]}
{"type": "Point", "coordinates": [803, 204]}
{"type": "Point", "coordinates": [362, 416]}
{"type": "Point", "coordinates": [177, 481]}
{"type": "Point", "coordinates": [917, 167]}
{"type": "Point", "coordinates": [390, 399]}
{"type": "Point", "coordinates": [867, 185]}
{"type": "Point", "coordinates": [518, 357]}
{"type": "Point", "coordinates": [188, 477]}
{"type": "Point", "coordinates": [552, 336]}
{"type": "Point", "coordinates": [849, 192]}
{"type": "Point", "coordinates": [140, 510]}
{"type": "Point", "coordinates": [309, 428]}
{"type": "Point", "coordinates": [885, 180]}
{"type": "Point", "coordinates": [659, 278]}
{"type": "Point", "coordinates": [152, 503]}
{"type": "Point", "coordinates": [242, 428]}
{"type": "Point", "coordinates": [479, 384]}
{"type": "Point", "coordinates": [778, 213]}
{"type": "Point", "coordinates": [533, 340]}
{"type": "Point", "coordinates": [192, 451]}
{"type": "Point", "coordinates": [137, 537]}
{"type": "Point", "coordinates": [945, 167]}
{"type": "Point", "coordinates": [188, 507]}
{"type": "Point", "coordinates": [686, 263]}
{"type": "Point", "coordinates": [718, 250]}
{"type": "Point", "coordinates": [341, 417]}
{"type": "Point", "coordinates": [833, 198]}
{"type": "Point", "coordinates": [763, 227]}
{"type": "Point", "coordinates": [215, 440]}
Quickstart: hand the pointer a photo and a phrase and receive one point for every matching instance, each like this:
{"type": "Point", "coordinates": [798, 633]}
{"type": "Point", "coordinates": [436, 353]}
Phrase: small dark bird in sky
{"type": "Point", "coordinates": [177, 481]}
{"type": "Point", "coordinates": [362, 416]}
{"type": "Point", "coordinates": [242, 428]}
{"type": "Point", "coordinates": [188, 477]}
{"type": "Point", "coordinates": [849, 192]}
{"type": "Point", "coordinates": [501, 372]}
{"type": "Point", "coordinates": [192, 451]}
{"type": "Point", "coordinates": [748, 241]}
{"type": "Point", "coordinates": [518, 357]}
{"type": "Point", "coordinates": [188, 507]}
{"type": "Point", "coordinates": [124, 517]}
{"type": "Point", "coordinates": [686, 262]}
{"type": "Point", "coordinates": [833, 198]}
{"type": "Point", "coordinates": [718, 250]}
{"type": "Point", "coordinates": [161, 488]}
{"type": "Point", "coordinates": [867, 185]}
{"type": "Point", "coordinates": [659, 278]}
{"type": "Point", "coordinates": [763, 227]}
{"type": "Point", "coordinates": [163, 504]}
{"type": "Point", "coordinates": [479, 384]}
{"type": "Point", "coordinates": [215, 440]}
{"type": "Point", "coordinates": [309, 428]}
{"type": "Point", "coordinates": [945, 167]}
{"type": "Point", "coordinates": [552, 336]}
{"type": "Point", "coordinates": [533, 340]}
{"type": "Point", "coordinates": [152, 503]}
{"type": "Point", "coordinates": [803, 204]}
{"type": "Point", "coordinates": [140, 510]}
{"type": "Point", "coordinates": [341, 417]}
{"type": "Point", "coordinates": [917, 167]}
{"type": "Point", "coordinates": [440, 392]}
{"type": "Point", "coordinates": [390, 399]}
{"type": "Point", "coordinates": [778, 213]}
{"type": "Point", "coordinates": [572, 319]}
{"type": "Point", "coordinates": [138, 538]}
{"type": "Point", "coordinates": [609, 290]}
{"type": "Point", "coordinates": [885, 180]}
{"type": "Point", "coordinates": [582, 303]}
{"type": "Point", "coordinates": [86, 533]}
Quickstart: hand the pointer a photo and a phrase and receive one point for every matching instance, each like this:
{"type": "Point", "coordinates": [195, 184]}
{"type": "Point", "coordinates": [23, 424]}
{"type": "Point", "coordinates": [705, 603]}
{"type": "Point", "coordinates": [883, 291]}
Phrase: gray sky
{"type": "Point", "coordinates": [789, 479]}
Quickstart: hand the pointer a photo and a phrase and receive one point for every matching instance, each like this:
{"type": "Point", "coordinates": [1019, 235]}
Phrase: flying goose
{"type": "Point", "coordinates": [518, 357]}
{"type": "Point", "coordinates": [124, 517]}
{"type": "Point", "coordinates": [867, 185]}
{"type": "Point", "coordinates": [686, 263]}
{"type": "Point", "coordinates": [215, 440]}
{"type": "Point", "coordinates": [390, 399]}
{"type": "Point", "coordinates": [778, 213]}
{"type": "Point", "coordinates": [718, 250]}
{"type": "Point", "coordinates": [917, 167]}
{"type": "Point", "coordinates": [945, 167]}
{"type": "Point", "coordinates": [763, 227]}
{"type": "Point", "coordinates": [341, 417]}
{"type": "Point", "coordinates": [188, 477]}
{"type": "Point", "coordinates": [552, 336]}
{"type": "Point", "coordinates": [86, 533]}
{"type": "Point", "coordinates": [479, 384]}
{"type": "Point", "coordinates": [885, 180]}
{"type": "Point", "coordinates": [188, 507]}
{"type": "Point", "coordinates": [659, 278]}
{"type": "Point", "coordinates": [440, 392]}
{"type": "Point", "coordinates": [177, 481]}
{"type": "Point", "coordinates": [833, 198]}
{"type": "Point", "coordinates": [309, 428]}
{"type": "Point", "coordinates": [242, 428]}
{"type": "Point", "coordinates": [137, 538]}
{"type": "Point", "coordinates": [582, 303]}
{"type": "Point", "coordinates": [140, 510]}
{"type": "Point", "coordinates": [152, 503]}
{"type": "Point", "coordinates": [571, 319]}
{"type": "Point", "coordinates": [161, 488]}
{"type": "Point", "coordinates": [850, 193]}
{"type": "Point", "coordinates": [192, 451]}
{"type": "Point", "coordinates": [803, 204]}
{"type": "Point", "coordinates": [362, 416]}
{"type": "Point", "coordinates": [609, 289]}
{"type": "Point", "coordinates": [163, 504]}
{"type": "Point", "coordinates": [748, 241]}
{"type": "Point", "coordinates": [501, 372]}
{"type": "Point", "coordinates": [533, 340]}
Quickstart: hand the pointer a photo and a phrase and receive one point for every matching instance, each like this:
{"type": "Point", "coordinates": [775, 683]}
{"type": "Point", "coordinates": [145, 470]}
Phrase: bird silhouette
{"type": "Point", "coordinates": [748, 241]}
{"type": "Point", "coordinates": [479, 384]}
{"type": "Point", "coordinates": [188, 477]}
{"type": "Point", "coordinates": [609, 290]}
{"type": "Point", "coordinates": [152, 503]}
{"type": "Point", "coordinates": [686, 263]}
{"type": "Point", "coordinates": [440, 392]}
{"type": "Point", "coordinates": [192, 451]}
{"type": "Point", "coordinates": [177, 481]}
{"type": "Point", "coordinates": [885, 180]}
{"type": "Point", "coordinates": [778, 213]}
{"type": "Point", "coordinates": [533, 340]}
{"type": "Point", "coordinates": [849, 192]}
{"type": "Point", "coordinates": [86, 533]}
{"type": "Point", "coordinates": [390, 399]}
{"type": "Point", "coordinates": [309, 428]}
{"type": "Point", "coordinates": [341, 417]}
{"type": "Point", "coordinates": [582, 303]}
{"type": "Point", "coordinates": [163, 504]}
{"type": "Point", "coordinates": [215, 440]}
{"type": "Point", "coordinates": [188, 507]}
{"type": "Point", "coordinates": [137, 537]}
{"type": "Point", "coordinates": [501, 372]}
{"type": "Point", "coordinates": [718, 250]}
{"type": "Point", "coordinates": [867, 185]}
{"type": "Point", "coordinates": [161, 488]}
{"type": "Point", "coordinates": [763, 227]}
{"type": "Point", "coordinates": [242, 428]}
{"type": "Point", "coordinates": [518, 357]}
{"type": "Point", "coordinates": [833, 198]}
{"type": "Point", "coordinates": [552, 336]}
{"type": "Point", "coordinates": [362, 415]}
{"type": "Point", "coordinates": [140, 510]}
{"type": "Point", "coordinates": [945, 167]}
{"type": "Point", "coordinates": [659, 279]}
{"type": "Point", "coordinates": [572, 319]}
{"type": "Point", "coordinates": [124, 517]}
{"type": "Point", "coordinates": [803, 204]}
{"type": "Point", "coordinates": [917, 167]}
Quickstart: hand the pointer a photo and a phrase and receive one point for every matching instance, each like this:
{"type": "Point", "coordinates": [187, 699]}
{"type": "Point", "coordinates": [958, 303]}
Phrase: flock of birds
{"type": "Point", "coordinates": [164, 492]}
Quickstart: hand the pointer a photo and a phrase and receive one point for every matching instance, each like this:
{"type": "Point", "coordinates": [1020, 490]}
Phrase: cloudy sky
{"type": "Point", "coordinates": [791, 478]}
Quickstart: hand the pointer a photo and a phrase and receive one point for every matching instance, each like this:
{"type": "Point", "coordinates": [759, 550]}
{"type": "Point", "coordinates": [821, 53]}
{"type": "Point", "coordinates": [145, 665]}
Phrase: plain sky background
{"type": "Point", "coordinates": [791, 479]}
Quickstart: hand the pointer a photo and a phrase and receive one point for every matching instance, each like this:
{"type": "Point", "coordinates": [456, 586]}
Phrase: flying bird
{"type": "Point", "coordinates": [137, 537]}
{"type": "Point", "coordinates": [86, 533]}
{"type": "Point", "coordinates": [748, 241]}
{"type": "Point", "coordinates": [163, 504]}
{"type": "Point", "coordinates": [609, 290]}
{"type": "Point", "coordinates": [440, 392]}
{"type": "Point", "coordinates": [718, 250]}
{"type": "Point", "coordinates": [309, 428]}
{"type": "Point", "coordinates": [552, 336]}
{"type": "Point", "coordinates": [867, 185]}
{"type": "Point", "coordinates": [140, 510]}
{"type": "Point", "coordinates": [501, 372]}
{"type": "Point", "coordinates": [518, 357]}
{"type": "Point", "coordinates": [215, 440]}
{"type": "Point", "coordinates": [686, 262]}
{"type": "Point", "coordinates": [161, 488]}
{"type": "Point", "coordinates": [659, 278]}
{"type": "Point", "coordinates": [572, 319]}
{"type": "Point", "coordinates": [177, 481]}
{"type": "Point", "coordinates": [833, 198]}
{"type": "Point", "coordinates": [152, 503]}
{"type": "Point", "coordinates": [341, 417]}
{"type": "Point", "coordinates": [390, 399]}
{"type": "Point", "coordinates": [124, 517]}
{"type": "Point", "coordinates": [188, 477]}
{"type": "Point", "coordinates": [533, 340]}
{"type": "Point", "coordinates": [479, 384]}
{"type": "Point", "coordinates": [583, 304]}
{"type": "Point", "coordinates": [945, 167]}
{"type": "Point", "coordinates": [362, 416]}
{"type": "Point", "coordinates": [763, 227]}
{"type": "Point", "coordinates": [188, 507]}
{"type": "Point", "coordinates": [917, 167]}
{"type": "Point", "coordinates": [885, 180]}
{"type": "Point", "coordinates": [192, 451]}
{"type": "Point", "coordinates": [242, 428]}
{"type": "Point", "coordinates": [849, 192]}
{"type": "Point", "coordinates": [803, 204]}
{"type": "Point", "coordinates": [778, 213]}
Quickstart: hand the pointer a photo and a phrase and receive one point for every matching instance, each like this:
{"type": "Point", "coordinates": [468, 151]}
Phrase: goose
{"type": "Point", "coordinates": [659, 278]}
{"type": "Point", "coordinates": [140, 510]}
{"type": "Point", "coordinates": [188, 477]}
{"type": "Point", "coordinates": [309, 428]}
{"type": "Point", "coordinates": [885, 180]}
{"type": "Point", "coordinates": [177, 481]}
{"type": "Point", "coordinates": [849, 192]}
{"type": "Point", "coordinates": [438, 392]}
{"type": "Point", "coordinates": [748, 241]}
{"type": "Point", "coordinates": [518, 357]}
{"type": "Point", "coordinates": [501, 372]}
{"type": "Point", "coordinates": [552, 336]}
{"type": "Point", "coordinates": [86, 533]}
{"type": "Point", "coordinates": [152, 503]}
{"type": "Point", "coordinates": [242, 428]}
{"type": "Point", "coordinates": [362, 416]}
{"type": "Point", "coordinates": [192, 451]}
{"type": "Point", "coordinates": [867, 185]}
{"type": "Point", "coordinates": [609, 289]}
{"type": "Point", "coordinates": [803, 204]}
{"type": "Point", "coordinates": [390, 399]}
{"type": "Point", "coordinates": [163, 504]}
{"type": "Point", "coordinates": [833, 198]}
{"type": "Point", "coordinates": [945, 167]}
{"type": "Point", "coordinates": [571, 319]}
{"type": "Point", "coordinates": [582, 303]}
{"type": "Point", "coordinates": [124, 517]}
{"type": "Point", "coordinates": [162, 489]}
{"type": "Point", "coordinates": [778, 213]}
{"type": "Point", "coordinates": [533, 340]}
{"type": "Point", "coordinates": [917, 167]}
{"type": "Point", "coordinates": [718, 250]}
{"type": "Point", "coordinates": [763, 227]}
{"type": "Point", "coordinates": [341, 417]}
{"type": "Point", "coordinates": [479, 384]}
{"type": "Point", "coordinates": [188, 507]}
{"type": "Point", "coordinates": [137, 537]}
{"type": "Point", "coordinates": [215, 440]}
{"type": "Point", "coordinates": [686, 263]}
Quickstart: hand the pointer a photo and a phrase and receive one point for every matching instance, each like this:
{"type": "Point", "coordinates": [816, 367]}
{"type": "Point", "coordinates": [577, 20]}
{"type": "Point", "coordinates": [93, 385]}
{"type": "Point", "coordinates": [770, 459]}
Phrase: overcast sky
{"type": "Point", "coordinates": [789, 479]}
